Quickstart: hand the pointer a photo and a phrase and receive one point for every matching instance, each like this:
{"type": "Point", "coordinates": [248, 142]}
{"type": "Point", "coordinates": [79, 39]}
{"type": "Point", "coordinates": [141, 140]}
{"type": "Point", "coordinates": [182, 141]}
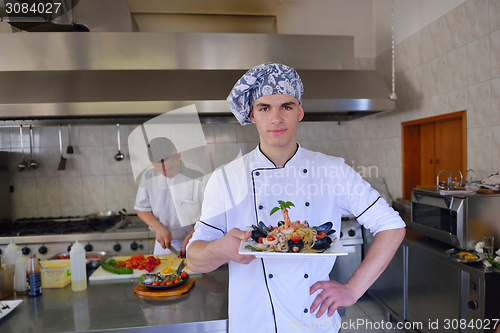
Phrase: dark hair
{"type": "Point", "coordinates": [161, 149]}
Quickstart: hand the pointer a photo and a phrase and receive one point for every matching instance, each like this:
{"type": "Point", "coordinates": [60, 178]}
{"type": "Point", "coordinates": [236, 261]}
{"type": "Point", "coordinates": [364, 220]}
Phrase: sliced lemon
{"type": "Point", "coordinates": [168, 270]}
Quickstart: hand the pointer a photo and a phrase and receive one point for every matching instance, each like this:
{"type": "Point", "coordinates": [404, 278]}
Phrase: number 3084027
{"type": "Point", "coordinates": [34, 8]}
{"type": "Point", "coordinates": [455, 324]}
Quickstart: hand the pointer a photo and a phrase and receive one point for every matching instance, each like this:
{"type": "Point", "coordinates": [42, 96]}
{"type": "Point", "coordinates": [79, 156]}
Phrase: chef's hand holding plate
{"type": "Point", "coordinates": [163, 236]}
{"type": "Point", "coordinates": [230, 245]}
{"type": "Point", "coordinates": [205, 256]}
{"type": "Point", "coordinates": [332, 296]}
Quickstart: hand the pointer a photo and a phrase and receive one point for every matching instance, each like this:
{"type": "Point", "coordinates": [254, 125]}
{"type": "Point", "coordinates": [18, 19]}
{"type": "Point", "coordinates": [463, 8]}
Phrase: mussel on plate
{"type": "Point", "coordinates": [295, 247]}
{"type": "Point", "coordinates": [322, 244]}
{"type": "Point", "coordinates": [257, 232]}
{"type": "Point", "coordinates": [326, 228]}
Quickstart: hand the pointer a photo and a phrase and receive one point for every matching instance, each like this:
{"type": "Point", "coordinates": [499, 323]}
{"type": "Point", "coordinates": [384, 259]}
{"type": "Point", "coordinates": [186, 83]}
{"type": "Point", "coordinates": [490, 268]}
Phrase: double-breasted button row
{"type": "Point", "coordinates": [305, 276]}
{"type": "Point", "coordinates": [257, 173]}
{"type": "Point", "coordinates": [262, 207]}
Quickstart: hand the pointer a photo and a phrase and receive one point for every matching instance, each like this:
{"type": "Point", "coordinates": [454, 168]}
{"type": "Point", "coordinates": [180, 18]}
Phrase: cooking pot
{"type": "Point", "coordinates": [102, 216]}
{"type": "Point", "coordinates": [107, 215]}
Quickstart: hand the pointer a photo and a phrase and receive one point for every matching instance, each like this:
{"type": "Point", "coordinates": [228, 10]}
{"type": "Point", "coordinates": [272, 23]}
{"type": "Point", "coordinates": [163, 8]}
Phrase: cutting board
{"type": "Point", "coordinates": [100, 274]}
{"type": "Point", "coordinates": [487, 191]}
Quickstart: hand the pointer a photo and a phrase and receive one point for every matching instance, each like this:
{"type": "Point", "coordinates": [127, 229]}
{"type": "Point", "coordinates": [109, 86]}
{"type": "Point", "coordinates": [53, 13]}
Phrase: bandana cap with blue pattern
{"type": "Point", "coordinates": [266, 79]}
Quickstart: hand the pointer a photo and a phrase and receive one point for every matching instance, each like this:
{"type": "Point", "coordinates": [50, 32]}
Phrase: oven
{"type": "Point", "coordinates": [459, 220]}
{"type": "Point", "coordinates": [448, 293]}
{"type": "Point", "coordinates": [49, 236]}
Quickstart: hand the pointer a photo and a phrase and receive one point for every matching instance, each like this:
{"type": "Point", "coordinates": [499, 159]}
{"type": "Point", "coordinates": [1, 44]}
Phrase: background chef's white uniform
{"type": "Point", "coordinates": [272, 295]}
{"type": "Point", "coordinates": [175, 202]}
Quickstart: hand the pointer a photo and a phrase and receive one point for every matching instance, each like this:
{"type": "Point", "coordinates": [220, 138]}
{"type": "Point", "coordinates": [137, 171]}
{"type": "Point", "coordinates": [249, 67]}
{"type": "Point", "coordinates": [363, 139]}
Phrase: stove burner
{"type": "Point", "coordinates": [58, 226]}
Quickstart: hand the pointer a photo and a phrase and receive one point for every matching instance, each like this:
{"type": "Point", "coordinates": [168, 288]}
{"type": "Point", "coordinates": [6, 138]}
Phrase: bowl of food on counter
{"type": "Point", "coordinates": [167, 278]}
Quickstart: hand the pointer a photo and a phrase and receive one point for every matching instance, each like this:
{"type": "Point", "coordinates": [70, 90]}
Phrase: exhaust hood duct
{"type": "Point", "coordinates": [142, 75]}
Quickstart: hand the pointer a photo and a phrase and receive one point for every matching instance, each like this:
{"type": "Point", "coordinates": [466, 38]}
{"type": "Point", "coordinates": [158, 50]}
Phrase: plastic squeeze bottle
{"type": "Point", "coordinates": [34, 272]}
{"type": "Point", "coordinates": [11, 254]}
{"type": "Point", "coordinates": [20, 283]}
{"type": "Point", "coordinates": [78, 267]}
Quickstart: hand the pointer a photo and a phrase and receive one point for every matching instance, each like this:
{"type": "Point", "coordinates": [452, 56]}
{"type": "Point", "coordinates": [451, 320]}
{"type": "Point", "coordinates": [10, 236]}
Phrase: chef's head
{"type": "Point", "coordinates": [269, 96]}
{"type": "Point", "coordinates": [164, 156]}
{"type": "Point", "coordinates": [261, 81]}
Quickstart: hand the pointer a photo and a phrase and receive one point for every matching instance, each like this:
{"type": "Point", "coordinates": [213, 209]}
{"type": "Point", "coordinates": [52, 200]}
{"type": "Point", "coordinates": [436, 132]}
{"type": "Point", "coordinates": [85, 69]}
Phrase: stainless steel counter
{"type": "Point", "coordinates": [423, 284]}
{"type": "Point", "coordinates": [112, 306]}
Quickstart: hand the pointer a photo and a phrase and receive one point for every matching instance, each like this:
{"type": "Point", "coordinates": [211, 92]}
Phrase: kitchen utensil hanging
{"type": "Point", "coordinates": [393, 95]}
{"type": "Point", "coordinates": [33, 165]}
{"type": "Point", "coordinates": [62, 161]}
{"type": "Point", "coordinates": [69, 150]}
{"type": "Point", "coordinates": [23, 165]}
{"type": "Point", "coordinates": [119, 156]}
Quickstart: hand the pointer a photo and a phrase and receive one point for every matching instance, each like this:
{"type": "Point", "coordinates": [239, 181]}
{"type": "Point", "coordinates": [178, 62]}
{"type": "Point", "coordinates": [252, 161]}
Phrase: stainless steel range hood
{"type": "Point", "coordinates": [51, 76]}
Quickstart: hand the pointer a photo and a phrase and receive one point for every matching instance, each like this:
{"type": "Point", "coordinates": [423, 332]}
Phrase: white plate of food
{"type": "Point", "coordinates": [10, 306]}
{"type": "Point", "coordinates": [336, 249]}
{"type": "Point", "coordinates": [275, 242]}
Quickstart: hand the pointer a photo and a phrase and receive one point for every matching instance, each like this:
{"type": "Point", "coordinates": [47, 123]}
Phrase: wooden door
{"type": "Point", "coordinates": [448, 147]}
{"type": "Point", "coordinates": [427, 154]}
{"type": "Point", "coordinates": [431, 145]}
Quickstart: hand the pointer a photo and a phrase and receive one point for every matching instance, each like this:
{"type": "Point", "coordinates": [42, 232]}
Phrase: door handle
{"type": "Point", "coordinates": [437, 161]}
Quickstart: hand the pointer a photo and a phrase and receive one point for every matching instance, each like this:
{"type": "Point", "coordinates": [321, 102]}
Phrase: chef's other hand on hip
{"type": "Point", "coordinates": [332, 296]}
{"type": "Point", "coordinates": [205, 257]}
{"type": "Point", "coordinates": [379, 255]}
{"type": "Point", "coordinates": [163, 236]}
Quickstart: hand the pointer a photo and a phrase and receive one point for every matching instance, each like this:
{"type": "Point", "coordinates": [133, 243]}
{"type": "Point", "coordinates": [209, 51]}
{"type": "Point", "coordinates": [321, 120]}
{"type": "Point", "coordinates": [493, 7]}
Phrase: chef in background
{"type": "Point", "coordinates": [169, 196]}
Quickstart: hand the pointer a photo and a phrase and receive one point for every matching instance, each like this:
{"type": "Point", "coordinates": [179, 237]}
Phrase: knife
{"type": "Point", "coordinates": [174, 251]}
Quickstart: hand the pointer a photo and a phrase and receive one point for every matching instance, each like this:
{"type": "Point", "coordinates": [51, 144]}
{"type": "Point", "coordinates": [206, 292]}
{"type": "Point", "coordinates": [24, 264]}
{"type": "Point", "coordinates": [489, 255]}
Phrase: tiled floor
{"type": "Point", "coordinates": [368, 317]}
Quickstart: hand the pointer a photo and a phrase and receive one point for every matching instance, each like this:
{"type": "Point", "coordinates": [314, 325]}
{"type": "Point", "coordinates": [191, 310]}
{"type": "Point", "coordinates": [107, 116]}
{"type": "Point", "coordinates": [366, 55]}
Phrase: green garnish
{"type": "Point", "coordinates": [492, 261]}
{"type": "Point", "coordinates": [251, 248]}
{"type": "Point", "coordinates": [282, 205]}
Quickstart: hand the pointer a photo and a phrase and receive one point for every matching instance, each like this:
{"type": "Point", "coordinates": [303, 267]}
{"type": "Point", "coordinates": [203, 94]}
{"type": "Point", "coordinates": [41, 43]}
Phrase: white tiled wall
{"type": "Point", "coordinates": [94, 181]}
{"type": "Point", "coordinates": [453, 64]}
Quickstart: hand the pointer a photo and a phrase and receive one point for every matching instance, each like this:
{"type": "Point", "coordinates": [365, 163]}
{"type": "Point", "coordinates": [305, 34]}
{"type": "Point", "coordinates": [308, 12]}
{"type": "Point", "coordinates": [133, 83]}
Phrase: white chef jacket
{"type": "Point", "coordinates": [272, 295]}
{"type": "Point", "coordinates": [175, 202]}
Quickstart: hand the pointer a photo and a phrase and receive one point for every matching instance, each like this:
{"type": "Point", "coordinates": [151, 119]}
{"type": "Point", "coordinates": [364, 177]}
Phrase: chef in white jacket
{"type": "Point", "coordinates": [285, 295]}
{"type": "Point", "coordinates": [169, 196]}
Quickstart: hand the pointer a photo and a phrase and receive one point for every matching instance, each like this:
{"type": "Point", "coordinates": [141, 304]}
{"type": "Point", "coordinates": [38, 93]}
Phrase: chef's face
{"type": "Point", "coordinates": [170, 166]}
{"type": "Point", "coordinates": [277, 118]}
